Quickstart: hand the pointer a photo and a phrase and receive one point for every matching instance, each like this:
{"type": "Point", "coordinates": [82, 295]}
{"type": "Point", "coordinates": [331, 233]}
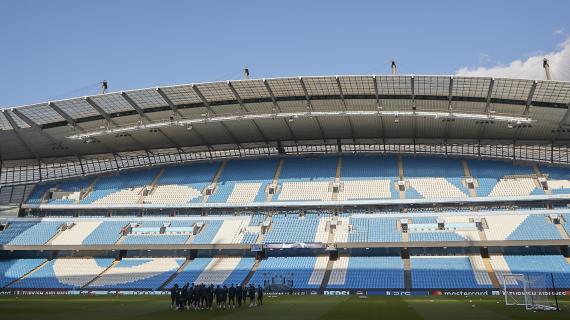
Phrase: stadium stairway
{"type": "Point", "coordinates": [401, 175]}
{"type": "Point", "coordinates": [215, 180]}
{"type": "Point", "coordinates": [562, 232]}
{"type": "Point", "coordinates": [275, 180]}
{"type": "Point", "coordinates": [337, 177]}
{"type": "Point", "coordinates": [491, 272]}
{"type": "Point", "coordinates": [407, 274]}
{"type": "Point", "coordinates": [101, 274]}
{"type": "Point", "coordinates": [27, 274]}
{"type": "Point", "coordinates": [155, 180]}
{"type": "Point", "coordinates": [164, 286]}
{"type": "Point", "coordinates": [89, 189]}
{"type": "Point", "coordinates": [251, 272]}
{"type": "Point", "coordinates": [59, 231]}
{"type": "Point", "coordinates": [467, 173]}
{"type": "Point", "coordinates": [327, 275]}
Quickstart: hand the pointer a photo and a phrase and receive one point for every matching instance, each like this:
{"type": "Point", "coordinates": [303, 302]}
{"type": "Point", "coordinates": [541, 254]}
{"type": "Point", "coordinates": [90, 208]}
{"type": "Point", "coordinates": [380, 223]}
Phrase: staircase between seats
{"type": "Point", "coordinates": [215, 180]}
{"type": "Point", "coordinates": [327, 276]}
{"type": "Point", "coordinates": [101, 274]}
{"type": "Point", "coordinates": [27, 274]}
{"type": "Point", "coordinates": [182, 267]}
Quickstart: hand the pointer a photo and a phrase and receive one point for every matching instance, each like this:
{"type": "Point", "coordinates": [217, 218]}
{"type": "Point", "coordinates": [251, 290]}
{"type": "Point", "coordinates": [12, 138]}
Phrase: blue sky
{"type": "Point", "coordinates": [59, 49]}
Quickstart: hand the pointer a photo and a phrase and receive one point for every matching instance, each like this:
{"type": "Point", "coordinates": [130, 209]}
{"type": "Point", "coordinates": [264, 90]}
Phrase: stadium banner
{"type": "Point", "coordinates": [298, 245]}
{"type": "Point", "coordinates": [39, 292]}
{"type": "Point", "coordinates": [463, 292]}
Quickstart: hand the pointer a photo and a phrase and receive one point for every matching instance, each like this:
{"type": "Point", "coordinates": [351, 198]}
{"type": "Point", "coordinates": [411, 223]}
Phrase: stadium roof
{"type": "Point", "coordinates": [391, 108]}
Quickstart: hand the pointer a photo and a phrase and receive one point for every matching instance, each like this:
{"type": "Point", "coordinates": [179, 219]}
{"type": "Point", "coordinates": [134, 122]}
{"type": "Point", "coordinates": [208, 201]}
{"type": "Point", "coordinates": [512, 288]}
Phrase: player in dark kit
{"type": "Point", "coordinates": [173, 295]}
{"type": "Point", "coordinates": [239, 295]}
{"type": "Point", "coordinates": [210, 293]}
{"type": "Point", "coordinates": [232, 296]}
{"type": "Point", "coordinates": [259, 296]}
{"type": "Point", "coordinates": [218, 293]}
{"type": "Point", "coordinates": [183, 296]}
{"type": "Point", "coordinates": [225, 296]}
{"type": "Point", "coordinates": [251, 292]}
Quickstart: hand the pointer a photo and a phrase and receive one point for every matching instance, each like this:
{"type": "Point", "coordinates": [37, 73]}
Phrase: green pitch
{"type": "Point", "coordinates": [284, 307]}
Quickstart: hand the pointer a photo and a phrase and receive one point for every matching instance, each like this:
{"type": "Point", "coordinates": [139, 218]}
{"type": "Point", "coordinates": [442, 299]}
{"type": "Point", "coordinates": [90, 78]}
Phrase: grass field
{"type": "Point", "coordinates": [283, 307]}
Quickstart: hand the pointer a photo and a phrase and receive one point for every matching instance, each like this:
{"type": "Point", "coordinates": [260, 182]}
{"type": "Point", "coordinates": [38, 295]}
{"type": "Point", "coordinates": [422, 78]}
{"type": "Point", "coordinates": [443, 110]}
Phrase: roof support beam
{"type": "Point", "coordinates": [177, 112]}
{"type": "Point", "coordinates": [141, 113]}
{"type": "Point", "coordinates": [489, 94]}
{"type": "Point", "coordinates": [344, 106]}
{"type": "Point", "coordinates": [529, 99]}
{"type": "Point", "coordinates": [379, 108]}
{"type": "Point", "coordinates": [71, 121]}
{"type": "Point", "coordinates": [564, 122]}
{"type": "Point", "coordinates": [35, 126]}
{"type": "Point", "coordinates": [244, 109]}
{"type": "Point", "coordinates": [310, 107]}
{"type": "Point", "coordinates": [109, 120]}
{"type": "Point", "coordinates": [526, 111]}
{"type": "Point", "coordinates": [64, 115]}
{"type": "Point", "coordinates": [210, 110]}
{"type": "Point", "coordinates": [277, 108]}
{"type": "Point", "coordinates": [99, 109]}
{"type": "Point", "coordinates": [18, 136]}
{"type": "Point", "coordinates": [167, 99]}
{"type": "Point", "coordinates": [487, 107]}
{"type": "Point", "coordinates": [415, 122]}
{"type": "Point", "coordinates": [449, 107]}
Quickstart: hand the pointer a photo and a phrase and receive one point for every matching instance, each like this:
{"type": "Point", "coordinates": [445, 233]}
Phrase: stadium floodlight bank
{"type": "Point", "coordinates": [531, 291]}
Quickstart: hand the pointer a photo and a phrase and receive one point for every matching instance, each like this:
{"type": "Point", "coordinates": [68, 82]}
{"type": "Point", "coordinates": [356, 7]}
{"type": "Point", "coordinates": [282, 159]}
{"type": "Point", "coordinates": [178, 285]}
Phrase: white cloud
{"type": "Point", "coordinates": [531, 68]}
{"type": "Point", "coordinates": [559, 31]}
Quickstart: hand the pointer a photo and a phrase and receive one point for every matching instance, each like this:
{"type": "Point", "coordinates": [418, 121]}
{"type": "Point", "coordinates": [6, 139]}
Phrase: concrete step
{"type": "Point", "coordinates": [327, 276]}
{"type": "Point", "coordinates": [215, 179]}
{"type": "Point", "coordinates": [562, 232]}
{"type": "Point", "coordinates": [102, 273]}
{"type": "Point", "coordinates": [491, 272]}
{"type": "Point", "coordinates": [275, 180]}
{"type": "Point", "coordinates": [186, 262]}
{"type": "Point", "coordinates": [407, 275]}
{"type": "Point", "coordinates": [251, 272]}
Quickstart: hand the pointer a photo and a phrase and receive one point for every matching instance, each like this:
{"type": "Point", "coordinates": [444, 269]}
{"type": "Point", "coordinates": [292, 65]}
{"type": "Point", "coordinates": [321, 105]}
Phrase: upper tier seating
{"type": "Point", "coordinates": [367, 273]}
{"type": "Point", "coordinates": [244, 181]}
{"type": "Point", "coordinates": [183, 184]}
{"type": "Point", "coordinates": [558, 179]}
{"type": "Point", "coordinates": [284, 270]}
{"type": "Point", "coordinates": [491, 180]}
{"type": "Point", "coordinates": [36, 196]}
{"type": "Point", "coordinates": [124, 188]}
{"type": "Point", "coordinates": [434, 178]}
{"type": "Point", "coordinates": [307, 179]}
{"type": "Point", "coordinates": [310, 179]}
{"type": "Point", "coordinates": [74, 186]}
{"type": "Point", "coordinates": [64, 273]}
{"type": "Point", "coordinates": [531, 266]}
{"type": "Point", "coordinates": [368, 177]}
{"type": "Point", "coordinates": [455, 272]}
{"type": "Point", "coordinates": [138, 273]}
{"type": "Point", "coordinates": [14, 269]}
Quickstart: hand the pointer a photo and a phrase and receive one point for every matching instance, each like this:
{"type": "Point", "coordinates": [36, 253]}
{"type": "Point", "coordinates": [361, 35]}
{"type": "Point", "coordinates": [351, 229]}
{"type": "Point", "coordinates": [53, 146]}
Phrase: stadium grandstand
{"type": "Point", "coordinates": [329, 184]}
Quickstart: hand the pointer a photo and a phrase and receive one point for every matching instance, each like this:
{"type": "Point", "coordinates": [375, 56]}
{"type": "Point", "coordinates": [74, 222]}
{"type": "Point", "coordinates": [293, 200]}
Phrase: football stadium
{"type": "Point", "coordinates": [358, 186]}
{"type": "Point", "coordinates": [312, 188]}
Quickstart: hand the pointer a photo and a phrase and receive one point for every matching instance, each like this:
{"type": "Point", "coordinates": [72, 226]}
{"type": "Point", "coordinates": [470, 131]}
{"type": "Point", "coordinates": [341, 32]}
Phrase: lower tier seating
{"type": "Point", "coordinates": [138, 273]}
{"type": "Point", "coordinates": [367, 273]}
